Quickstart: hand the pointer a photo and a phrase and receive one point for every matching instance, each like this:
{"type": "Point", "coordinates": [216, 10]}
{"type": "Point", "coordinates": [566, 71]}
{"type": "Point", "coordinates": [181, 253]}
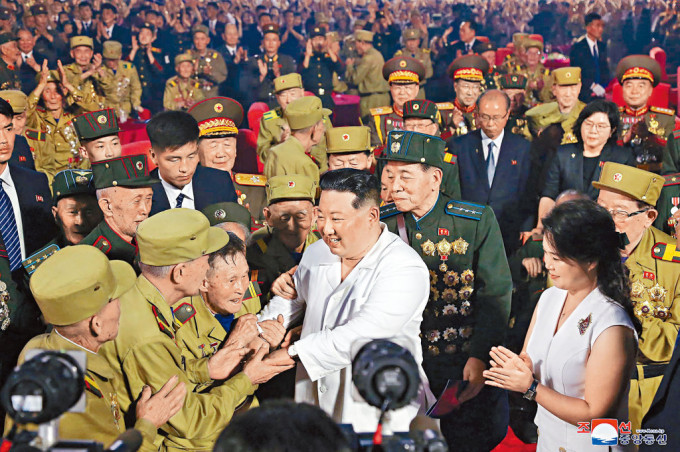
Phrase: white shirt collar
{"type": "Point", "coordinates": [591, 43]}
{"type": "Point", "coordinates": [497, 143]}
{"type": "Point", "coordinates": [70, 341]}
{"type": "Point", "coordinates": [6, 177]}
{"type": "Point", "coordinates": [173, 192]}
{"type": "Point", "coordinates": [231, 49]}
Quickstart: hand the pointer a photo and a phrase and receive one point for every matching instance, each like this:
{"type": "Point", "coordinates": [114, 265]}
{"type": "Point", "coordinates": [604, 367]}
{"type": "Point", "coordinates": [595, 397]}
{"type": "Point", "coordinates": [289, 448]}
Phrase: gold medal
{"type": "Point", "coordinates": [449, 295]}
{"type": "Point", "coordinates": [465, 308]}
{"type": "Point", "coordinates": [468, 276]}
{"type": "Point", "coordinates": [466, 332]}
{"type": "Point", "coordinates": [435, 293]}
{"type": "Point", "coordinates": [653, 124]}
{"type": "Point", "coordinates": [637, 289]}
{"type": "Point", "coordinates": [643, 309]}
{"type": "Point", "coordinates": [428, 248]}
{"type": "Point", "coordinates": [443, 267]}
{"type": "Point", "coordinates": [451, 278]}
{"type": "Point", "coordinates": [465, 292]}
{"type": "Point", "coordinates": [657, 293]}
{"type": "Point", "coordinates": [450, 334]}
{"type": "Point", "coordinates": [444, 248]}
{"type": "Point", "coordinates": [450, 309]}
{"type": "Point", "coordinates": [433, 278]}
{"type": "Point", "coordinates": [115, 409]}
{"type": "Point", "coordinates": [460, 246]}
{"type": "Point", "coordinates": [661, 312]}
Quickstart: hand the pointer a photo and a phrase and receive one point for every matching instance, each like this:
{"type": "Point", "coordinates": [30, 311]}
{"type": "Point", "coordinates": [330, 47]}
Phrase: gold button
{"type": "Point", "coordinates": [422, 159]}
{"type": "Point", "coordinates": [389, 121]}
{"type": "Point", "coordinates": [115, 183]}
{"type": "Point", "coordinates": [106, 165]}
{"type": "Point", "coordinates": [419, 236]}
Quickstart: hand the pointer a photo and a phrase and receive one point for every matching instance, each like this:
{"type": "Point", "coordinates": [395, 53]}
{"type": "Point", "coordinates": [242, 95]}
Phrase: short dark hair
{"type": "Point", "coordinates": [6, 109]}
{"type": "Point", "coordinates": [110, 7]}
{"type": "Point", "coordinates": [591, 17]}
{"type": "Point", "coordinates": [229, 251]}
{"type": "Point", "coordinates": [471, 23]}
{"type": "Point", "coordinates": [598, 106]}
{"type": "Point", "coordinates": [213, 5]}
{"type": "Point", "coordinates": [170, 130]}
{"type": "Point", "coordinates": [259, 16]}
{"type": "Point", "coordinates": [282, 425]}
{"type": "Point", "coordinates": [84, 5]}
{"type": "Point", "coordinates": [362, 184]}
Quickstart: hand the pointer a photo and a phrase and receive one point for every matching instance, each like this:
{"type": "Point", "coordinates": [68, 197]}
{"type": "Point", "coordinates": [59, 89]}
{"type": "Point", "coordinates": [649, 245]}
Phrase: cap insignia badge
{"type": "Point", "coordinates": [416, 107]}
{"type": "Point", "coordinates": [618, 177]}
{"type": "Point", "coordinates": [101, 119]}
{"type": "Point", "coordinates": [291, 184]}
{"type": "Point", "coordinates": [345, 137]}
{"type": "Point", "coordinates": [218, 108]}
{"type": "Point", "coordinates": [139, 165]}
{"type": "Point", "coordinates": [220, 214]}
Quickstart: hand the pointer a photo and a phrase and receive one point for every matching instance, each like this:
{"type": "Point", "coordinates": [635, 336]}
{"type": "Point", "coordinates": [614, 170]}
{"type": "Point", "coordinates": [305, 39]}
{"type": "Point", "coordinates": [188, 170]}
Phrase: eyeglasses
{"type": "Point", "coordinates": [599, 127]}
{"type": "Point", "coordinates": [622, 215]}
{"type": "Point", "coordinates": [488, 118]}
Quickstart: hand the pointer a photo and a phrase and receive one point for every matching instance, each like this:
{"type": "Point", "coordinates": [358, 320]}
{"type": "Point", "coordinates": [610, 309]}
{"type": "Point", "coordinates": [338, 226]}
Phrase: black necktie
{"type": "Point", "coordinates": [180, 199]}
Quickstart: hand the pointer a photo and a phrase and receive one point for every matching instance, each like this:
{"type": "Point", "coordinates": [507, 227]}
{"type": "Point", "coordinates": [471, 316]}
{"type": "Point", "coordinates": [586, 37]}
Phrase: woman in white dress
{"type": "Point", "coordinates": [580, 348]}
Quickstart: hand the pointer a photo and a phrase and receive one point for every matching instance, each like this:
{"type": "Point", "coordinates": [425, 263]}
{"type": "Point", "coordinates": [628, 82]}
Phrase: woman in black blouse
{"type": "Point", "coordinates": [577, 165]}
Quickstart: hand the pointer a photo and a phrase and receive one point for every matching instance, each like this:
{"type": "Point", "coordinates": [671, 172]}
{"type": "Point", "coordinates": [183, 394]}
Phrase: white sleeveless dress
{"type": "Point", "coordinates": [560, 363]}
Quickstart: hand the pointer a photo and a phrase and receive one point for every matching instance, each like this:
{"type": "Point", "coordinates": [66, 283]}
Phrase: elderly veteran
{"type": "Point", "coordinates": [125, 93]}
{"type": "Point", "coordinates": [305, 116]}
{"type": "Point", "coordinates": [403, 74]}
{"type": "Point", "coordinates": [349, 147]}
{"type": "Point", "coordinates": [654, 265]}
{"type": "Point", "coordinates": [467, 73]}
{"type": "Point", "coordinates": [124, 195]}
{"type": "Point", "coordinates": [98, 135]}
{"type": "Point", "coordinates": [87, 75]}
{"type": "Point", "coordinates": [174, 251]}
{"type": "Point", "coordinates": [78, 292]}
{"type": "Point", "coordinates": [218, 120]}
{"type": "Point", "coordinates": [182, 91]}
{"type": "Point", "coordinates": [22, 154]}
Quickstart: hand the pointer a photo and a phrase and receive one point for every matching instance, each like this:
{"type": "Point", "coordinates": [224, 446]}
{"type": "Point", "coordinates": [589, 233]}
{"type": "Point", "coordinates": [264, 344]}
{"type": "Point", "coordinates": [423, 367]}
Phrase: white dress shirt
{"type": "Point", "coordinates": [173, 192]}
{"type": "Point", "coordinates": [109, 31]}
{"type": "Point", "coordinates": [497, 145]}
{"type": "Point", "coordinates": [25, 56]}
{"type": "Point", "coordinates": [231, 50]}
{"type": "Point", "coordinates": [593, 46]}
{"type": "Point", "coordinates": [11, 190]}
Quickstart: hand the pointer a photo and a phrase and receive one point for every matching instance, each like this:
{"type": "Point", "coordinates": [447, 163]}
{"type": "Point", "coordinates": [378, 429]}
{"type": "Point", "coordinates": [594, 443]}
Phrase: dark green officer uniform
{"type": "Point", "coordinates": [671, 154]}
{"type": "Point", "coordinates": [317, 76]}
{"type": "Point", "coordinates": [668, 204]}
{"type": "Point", "coordinates": [131, 172]}
{"type": "Point", "coordinates": [517, 122]}
{"type": "Point", "coordinates": [470, 290]}
{"type": "Point", "coordinates": [470, 68]}
{"type": "Point", "coordinates": [9, 75]}
{"type": "Point", "coordinates": [491, 78]}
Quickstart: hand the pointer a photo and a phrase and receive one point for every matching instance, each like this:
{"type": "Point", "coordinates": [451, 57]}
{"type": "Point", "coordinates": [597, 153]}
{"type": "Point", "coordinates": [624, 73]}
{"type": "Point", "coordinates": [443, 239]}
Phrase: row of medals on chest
{"type": "Point", "coordinates": [654, 307]}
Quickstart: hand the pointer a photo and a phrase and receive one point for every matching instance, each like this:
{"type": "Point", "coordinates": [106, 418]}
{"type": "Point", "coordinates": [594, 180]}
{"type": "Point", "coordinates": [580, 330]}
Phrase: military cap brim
{"type": "Point", "coordinates": [403, 70]}
{"type": "Point", "coordinates": [227, 212]}
{"type": "Point", "coordinates": [468, 67]}
{"type": "Point", "coordinates": [217, 117]}
{"type": "Point", "coordinates": [638, 67]}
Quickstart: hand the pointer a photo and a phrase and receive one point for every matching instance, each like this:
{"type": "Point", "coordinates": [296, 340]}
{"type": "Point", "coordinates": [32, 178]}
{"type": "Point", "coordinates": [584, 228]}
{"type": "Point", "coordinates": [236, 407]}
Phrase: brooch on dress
{"type": "Point", "coordinates": [583, 324]}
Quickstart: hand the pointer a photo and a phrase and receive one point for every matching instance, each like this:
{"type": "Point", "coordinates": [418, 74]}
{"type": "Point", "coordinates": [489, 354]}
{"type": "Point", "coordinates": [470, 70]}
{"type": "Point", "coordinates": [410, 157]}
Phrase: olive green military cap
{"type": "Point", "coordinates": [183, 58]}
{"type": "Point", "coordinates": [348, 139]}
{"type": "Point", "coordinates": [360, 23]}
{"type": "Point", "coordinates": [284, 82]}
{"type": "Point", "coordinates": [38, 9]}
{"type": "Point", "coordinates": [71, 182]}
{"type": "Point", "coordinates": [321, 17]}
{"type": "Point", "coordinates": [77, 41]}
{"type": "Point", "coordinates": [641, 67]}
{"type": "Point", "coordinates": [200, 29]}
{"type": "Point", "coordinates": [363, 35]}
{"type": "Point", "coordinates": [333, 36]}
{"type": "Point", "coordinates": [304, 112]}
{"type": "Point", "coordinates": [127, 171]}
{"type": "Point", "coordinates": [290, 186]}
{"type": "Point", "coordinates": [471, 68]}
{"type": "Point", "coordinates": [113, 50]}
{"type": "Point", "coordinates": [217, 117]}
{"type": "Point", "coordinates": [177, 235]}
{"type": "Point", "coordinates": [567, 76]}
{"type": "Point", "coordinates": [512, 81]}
{"type": "Point", "coordinates": [7, 37]}
{"type": "Point", "coordinates": [421, 108]}
{"type": "Point", "coordinates": [411, 33]}
{"type": "Point", "coordinates": [76, 282]}
{"type": "Point", "coordinates": [627, 180]}
{"type": "Point", "coordinates": [481, 47]}
{"type": "Point", "coordinates": [529, 43]}
{"type": "Point", "coordinates": [17, 99]}
{"type": "Point", "coordinates": [518, 38]}
{"type": "Point", "coordinates": [403, 70]}
{"type": "Point", "coordinates": [270, 28]}
{"type": "Point", "coordinates": [52, 76]}
{"type": "Point", "coordinates": [96, 124]}
{"type": "Point", "coordinates": [414, 147]}
{"type": "Point", "coordinates": [228, 212]}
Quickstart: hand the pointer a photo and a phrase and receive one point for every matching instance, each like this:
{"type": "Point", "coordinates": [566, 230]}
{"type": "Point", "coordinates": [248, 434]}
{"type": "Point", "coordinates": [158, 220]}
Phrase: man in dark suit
{"type": "Point", "coordinates": [233, 55]}
{"type": "Point", "coordinates": [31, 60]}
{"type": "Point", "coordinates": [86, 26]}
{"type": "Point", "coordinates": [590, 54]}
{"type": "Point", "coordinates": [109, 30]}
{"type": "Point", "coordinates": [174, 149]}
{"type": "Point", "coordinates": [494, 168]}
{"type": "Point", "coordinates": [215, 27]}
{"type": "Point", "coordinates": [637, 29]}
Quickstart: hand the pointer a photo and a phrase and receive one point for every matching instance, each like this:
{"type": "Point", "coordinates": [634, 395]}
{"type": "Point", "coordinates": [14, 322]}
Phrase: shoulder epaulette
{"type": "Point", "coordinates": [426, 50]}
{"type": "Point", "coordinates": [462, 209]}
{"type": "Point", "coordinates": [155, 49]}
{"type": "Point", "coordinates": [36, 135]}
{"type": "Point", "coordinates": [197, 85]}
{"type": "Point", "coordinates": [172, 82]}
{"type": "Point", "coordinates": [445, 105]}
{"type": "Point", "coordinates": [271, 114]}
{"type": "Point", "coordinates": [253, 291]}
{"type": "Point", "coordinates": [665, 111]}
{"type": "Point", "coordinates": [262, 245]}
{"type": "Point", "coordinates": [398, 52]}
{"type": "Point", "coordinates": [665, 252]}
{"type": "Point", "coordinates": [450, 158]}
{"type": "Point", "coordinates": [102, 244]}
{"type": "Point", "coordinates": [214, 55]}
{"type": "Point", "coordinates": [581, 38]}
{"type": "Point", "coordinates": [622, 108]}
{"type": "Point", "coordinates": [183, 313]}
{"type": "Point", "coordinates": [33, 262]}
{"type": "Point", "coordinates": [127, 65]}
{"type": "Point", "coordinates": [252, 180]}
{"type": "Point", "coordinates": [672, 179]}
{"type": "Point", "coordinates": [381, 111]}
{"type": "Point", "coordinates": [388, 210]}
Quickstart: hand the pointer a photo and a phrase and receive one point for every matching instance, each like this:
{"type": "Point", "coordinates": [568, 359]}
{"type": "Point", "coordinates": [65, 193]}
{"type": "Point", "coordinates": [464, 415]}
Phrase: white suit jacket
{"type": "Point", "coordinates": [382, 298]}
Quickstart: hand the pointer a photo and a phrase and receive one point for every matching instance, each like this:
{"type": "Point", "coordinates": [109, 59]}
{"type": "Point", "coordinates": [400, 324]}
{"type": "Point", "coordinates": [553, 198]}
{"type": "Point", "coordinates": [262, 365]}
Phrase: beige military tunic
{"type": "Point", "coordinates": [216, 71]}
{"type": "Point", "coordinates": [182, 94]}
{"type": "Point", "coordinates": [92, 90]}
{"type": "Point", "coordinates": [290, 157]}
{"type": "Point", "coordinates": [366, 74]}
{"type": "Point", "coordinates": [125, 93]}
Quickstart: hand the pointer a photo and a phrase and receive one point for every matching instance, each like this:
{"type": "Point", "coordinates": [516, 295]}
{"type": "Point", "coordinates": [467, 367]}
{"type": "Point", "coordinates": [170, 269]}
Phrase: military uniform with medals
{"type": "Point", "coordinates": [470, 283]}
{"type": "Point", "coordinates": [9, 75]}
{"type": "Point", "coordinates": [469, 68]}
{"type": "Point", "coordinates": [94, 88]}
{"type": "Point", "coordinates": [671, 154]}
{"type": "Point", "coordinates": [151, 75]}
{"type": "Point", "coordinates": [668, 204]}
{"type": "Point", "coordinates": [125, 93]}
{"type": "Point", "coordinates": [651, 125]}
{"type": "Point", "coordinates": [654, 273]}
{"type": "Point", "coordinates": [131, 172]}
{"type": "Point", "coordinates": [421, 54]}
{"type": "Point", "coordinates": [318, 75]}
{"type": "Point", "coordinates": [182, 94]}
{"type": "Point", "coordinates": [211, 68]}
{"type": "Point", "coordinates": [513, 85]}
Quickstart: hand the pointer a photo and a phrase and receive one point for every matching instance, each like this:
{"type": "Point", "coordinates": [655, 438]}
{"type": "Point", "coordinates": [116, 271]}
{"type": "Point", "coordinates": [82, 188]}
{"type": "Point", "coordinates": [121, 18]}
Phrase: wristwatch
{"type": "Point", "coordinates": [292, 351]}
{"type": "Point", "coordinates": [531, 392]}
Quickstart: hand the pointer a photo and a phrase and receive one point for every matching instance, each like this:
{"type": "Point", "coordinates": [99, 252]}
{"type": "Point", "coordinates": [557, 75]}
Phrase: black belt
{"type": "Point", "coordinates": [650, 371]}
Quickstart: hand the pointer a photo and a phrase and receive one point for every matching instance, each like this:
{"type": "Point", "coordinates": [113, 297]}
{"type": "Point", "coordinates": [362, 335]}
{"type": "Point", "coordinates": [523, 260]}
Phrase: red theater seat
{"type": "Point", "coordinates": [247, 160]}
{"type": "Point", "coordinates": [659, 55]}
{"type": "Point", "coordinates": [501, 54]}
{"type": "Point", "coordinates": [255, 112]}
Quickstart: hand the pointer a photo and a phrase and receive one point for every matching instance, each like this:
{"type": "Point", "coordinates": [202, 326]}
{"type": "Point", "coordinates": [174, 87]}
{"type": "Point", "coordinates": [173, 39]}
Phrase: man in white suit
{"type": "Point", "coordinates": [361, 282]}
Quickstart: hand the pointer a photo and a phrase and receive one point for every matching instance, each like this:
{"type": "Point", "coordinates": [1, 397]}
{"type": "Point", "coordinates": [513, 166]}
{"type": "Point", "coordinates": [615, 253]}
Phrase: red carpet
{"type": "Point", "coordinates": [513, 444]}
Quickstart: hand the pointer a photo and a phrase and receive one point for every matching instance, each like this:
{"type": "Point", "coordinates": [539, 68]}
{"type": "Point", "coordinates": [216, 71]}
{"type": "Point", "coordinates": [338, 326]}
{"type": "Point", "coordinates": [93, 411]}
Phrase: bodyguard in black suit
{"type": "Point", "coordinates": [174, 149]}
{"type": "Point", "coordinates": [215, 27]}
{"type": "Point", "coordinates": [508, 169]}
{"type": "Point", "coordinates": [637, 29]}
{"type": "Point", "coordinates": [590, 54]}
